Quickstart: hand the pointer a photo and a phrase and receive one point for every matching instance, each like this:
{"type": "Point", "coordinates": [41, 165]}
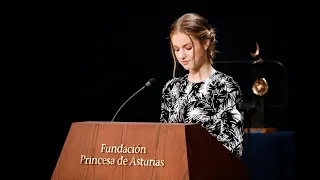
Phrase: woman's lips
{"type": "Point", "coordinates": [184, 62]}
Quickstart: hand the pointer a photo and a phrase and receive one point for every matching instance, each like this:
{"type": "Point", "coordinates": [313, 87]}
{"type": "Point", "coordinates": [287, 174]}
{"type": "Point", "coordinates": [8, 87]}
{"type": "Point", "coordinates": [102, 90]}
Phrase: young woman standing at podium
{"type": "Point", "coordinates": [205, 95]}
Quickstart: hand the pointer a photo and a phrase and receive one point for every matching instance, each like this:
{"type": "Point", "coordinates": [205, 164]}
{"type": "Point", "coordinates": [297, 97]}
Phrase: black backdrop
{"type": "Point", "coordinates": [83, 67]}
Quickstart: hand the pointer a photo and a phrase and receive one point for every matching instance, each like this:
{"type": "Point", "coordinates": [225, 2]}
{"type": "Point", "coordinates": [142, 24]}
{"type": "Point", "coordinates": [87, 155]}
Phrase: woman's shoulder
{"type": "Point", "coordinates": [224, 77]}
{"type": "Point", "coordinates": [226, 80]}
{"type": "Point", "coordinates": [176, 81]}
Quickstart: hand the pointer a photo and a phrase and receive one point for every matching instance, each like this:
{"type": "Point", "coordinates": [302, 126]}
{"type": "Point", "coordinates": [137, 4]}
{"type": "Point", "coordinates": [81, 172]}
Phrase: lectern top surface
{"type": "Point", "coordinates": [138, 123]}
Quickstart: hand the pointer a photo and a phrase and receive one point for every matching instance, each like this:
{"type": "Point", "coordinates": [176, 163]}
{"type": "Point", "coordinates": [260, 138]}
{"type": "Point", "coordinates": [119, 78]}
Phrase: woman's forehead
{"type": "Point", "coordinates": [181, 39]}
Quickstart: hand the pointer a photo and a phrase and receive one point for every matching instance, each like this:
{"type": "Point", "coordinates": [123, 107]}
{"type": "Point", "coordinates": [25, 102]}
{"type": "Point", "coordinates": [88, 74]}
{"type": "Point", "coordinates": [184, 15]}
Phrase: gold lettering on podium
{"type": "Point", "coordinates": [93, 160]}
{"type": "Point", "coordinates": [146, 162]}
{"type": "Point", "coordinates": [122, 160]}
{"type": "Point", "coordinates": [123, 149]}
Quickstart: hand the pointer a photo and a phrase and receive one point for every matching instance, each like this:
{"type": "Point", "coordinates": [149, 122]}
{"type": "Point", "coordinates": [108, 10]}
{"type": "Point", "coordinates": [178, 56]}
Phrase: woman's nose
{"type": "Point", "coordinates": [182, 54]}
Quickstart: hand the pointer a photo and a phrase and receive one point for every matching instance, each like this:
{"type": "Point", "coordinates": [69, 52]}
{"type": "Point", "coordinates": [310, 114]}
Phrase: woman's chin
{"type": "Point", "coordinates": [187, 68]}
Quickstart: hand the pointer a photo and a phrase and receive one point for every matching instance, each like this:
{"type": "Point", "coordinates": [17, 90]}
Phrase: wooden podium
{"type": "Point", "coordinates": [144, 151]}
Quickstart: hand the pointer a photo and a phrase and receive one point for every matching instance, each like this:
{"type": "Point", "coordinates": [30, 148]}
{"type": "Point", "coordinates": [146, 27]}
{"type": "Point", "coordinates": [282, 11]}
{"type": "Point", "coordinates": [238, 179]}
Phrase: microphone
{"type": "Point", "coordinates": [148, 84]}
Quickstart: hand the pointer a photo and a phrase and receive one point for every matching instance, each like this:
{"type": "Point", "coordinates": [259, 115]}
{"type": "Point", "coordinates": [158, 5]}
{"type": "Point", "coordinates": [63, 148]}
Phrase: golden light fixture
{"type": "Point", "coordinates": [255, 55]}
{"type": "Point", "coordinates": [260, 87]}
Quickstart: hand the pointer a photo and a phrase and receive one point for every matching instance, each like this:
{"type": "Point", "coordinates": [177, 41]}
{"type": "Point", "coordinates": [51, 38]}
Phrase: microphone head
{"type": "Point", "coordinates": [150, 82]}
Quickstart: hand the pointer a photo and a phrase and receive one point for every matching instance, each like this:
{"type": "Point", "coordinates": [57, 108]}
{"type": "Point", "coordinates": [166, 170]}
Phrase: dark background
{"type": "Point", "coordinates": [82, 61]}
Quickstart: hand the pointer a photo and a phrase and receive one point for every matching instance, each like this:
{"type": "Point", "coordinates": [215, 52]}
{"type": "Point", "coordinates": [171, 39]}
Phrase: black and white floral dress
{"type": "Point", "coordinates": [212, 103]}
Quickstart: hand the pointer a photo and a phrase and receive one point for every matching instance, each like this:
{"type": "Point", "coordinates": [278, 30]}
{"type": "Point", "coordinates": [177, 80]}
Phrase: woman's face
{"type": "Point", "coordinates": [190, 56]}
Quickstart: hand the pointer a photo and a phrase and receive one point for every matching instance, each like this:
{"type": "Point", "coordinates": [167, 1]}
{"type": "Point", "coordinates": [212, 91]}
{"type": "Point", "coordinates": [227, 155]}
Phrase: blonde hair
{"type": "Point", "coordinates": [194, 25]}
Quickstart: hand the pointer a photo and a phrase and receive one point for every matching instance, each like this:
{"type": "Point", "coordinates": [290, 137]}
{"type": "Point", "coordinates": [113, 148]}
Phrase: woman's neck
{"type": "Point", "coordinates": [202, 74]}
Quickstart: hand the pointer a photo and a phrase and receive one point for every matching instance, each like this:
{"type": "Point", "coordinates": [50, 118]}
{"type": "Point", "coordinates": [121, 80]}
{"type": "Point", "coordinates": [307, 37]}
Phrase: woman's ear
{"type": "Point", "coordinates": [206, 44]}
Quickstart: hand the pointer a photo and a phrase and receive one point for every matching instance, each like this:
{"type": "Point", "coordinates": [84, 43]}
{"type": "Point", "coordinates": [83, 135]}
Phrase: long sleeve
{"type": "Point", "coordinates": [166, 103]}
{"type": "Point", "coordinates": [231, 134]}
{"type": "Point", "coordinates": [164, 111]}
